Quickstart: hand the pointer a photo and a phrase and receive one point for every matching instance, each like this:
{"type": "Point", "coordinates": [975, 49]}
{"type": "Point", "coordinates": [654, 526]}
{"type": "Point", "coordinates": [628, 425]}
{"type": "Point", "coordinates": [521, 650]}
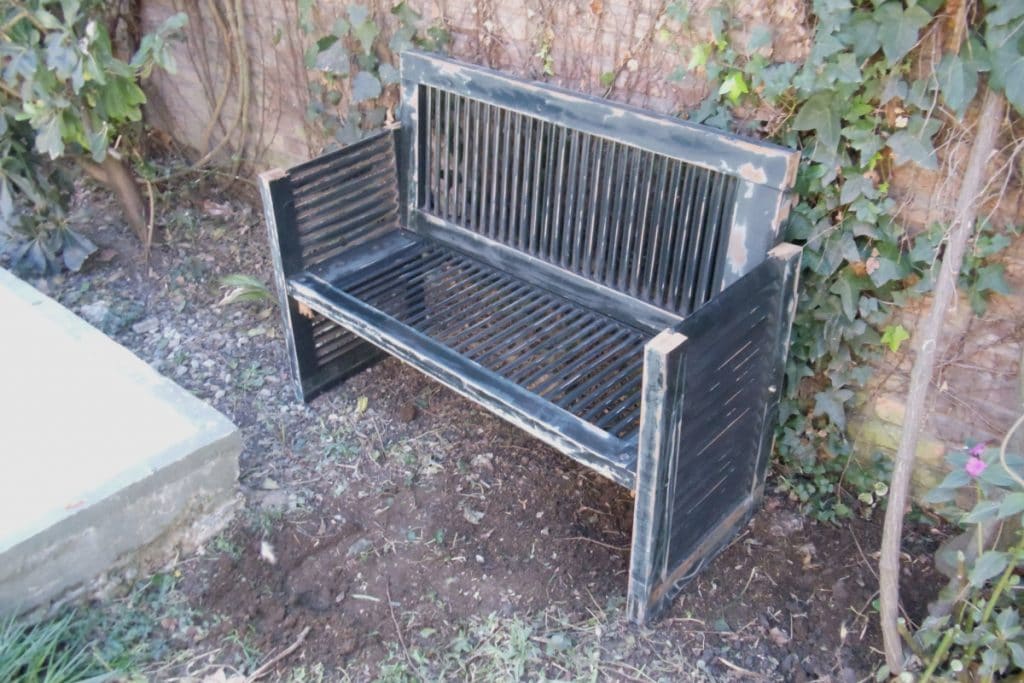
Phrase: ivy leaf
{"type": "Point", "coordinates": [861, 34]}
{"type": "Point", "coordinates": [1001, 13]}
{"type": "Point", "coordinates": [777, 79]}
{"type": "Point", "coordinates": [406, 15]}
{"type": "Point", "coordinates": [914, 143]}
{"type": "Point", "coordinates": [760, 36]}
{"type": "Point", "coordinates": [894, 336]}
{"type": "Point", "coordinates": [819, 114]}
{"type": "Point", "coordinates": [699, 54]}
{"type": "Point", "coordinates": [1008, 70]}
{"type": "Point", "coordinates": [888, 270]}
{"type": "Point", "coordinates": [734, 86]}
{"type": "Point", "coordinates": [717, 17]}
{"type": "Point", "coordinates": [365, 86]}
{"type": "Point", "coordinates": [988, 565]}
{"type": "Point", "coordinates": [958, 82]}
{"type": "Point", "coordinates": [333, 59]}
{"type": "Point", "coordinates": [833, 404]}
{"type": "Point", "coordinates": [991, 278]}
{"type": "Point", "coordinates": [848, 288]}
{"type": "Point", "coordinates": [357, 14]}
{"type": "Point", "coordinates": [388, 74]}
{"type": "Point", "coordinates": [898, 28]}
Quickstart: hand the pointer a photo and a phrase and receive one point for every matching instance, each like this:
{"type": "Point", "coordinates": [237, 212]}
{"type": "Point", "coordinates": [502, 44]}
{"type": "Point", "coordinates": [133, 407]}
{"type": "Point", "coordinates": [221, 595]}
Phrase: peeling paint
{"type": "Point", "coordinates": [738, 253]}
{"type": "Point", "coordinates": [754, 174]}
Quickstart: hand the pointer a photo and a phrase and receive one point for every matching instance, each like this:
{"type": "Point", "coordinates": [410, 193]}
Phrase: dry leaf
{"type": "Point", "coordinates": [267, 553]}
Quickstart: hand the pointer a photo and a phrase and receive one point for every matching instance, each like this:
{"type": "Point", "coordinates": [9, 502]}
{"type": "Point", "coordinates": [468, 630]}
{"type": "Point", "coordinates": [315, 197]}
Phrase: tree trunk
{"type": "Point", "coordinates": [116, 175]}
{"type": "Point", "coordinates": [989, 120]}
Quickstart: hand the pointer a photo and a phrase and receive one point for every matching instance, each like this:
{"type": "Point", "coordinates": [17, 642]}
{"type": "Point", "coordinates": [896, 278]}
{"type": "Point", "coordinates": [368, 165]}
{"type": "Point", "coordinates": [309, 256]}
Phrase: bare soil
{"type": "Point", "coordinates": [407, 533]}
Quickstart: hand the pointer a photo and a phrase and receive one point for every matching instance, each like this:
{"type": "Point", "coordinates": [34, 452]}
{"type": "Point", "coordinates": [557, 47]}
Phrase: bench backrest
{"type": "Point", "coordinates": [664, 211]}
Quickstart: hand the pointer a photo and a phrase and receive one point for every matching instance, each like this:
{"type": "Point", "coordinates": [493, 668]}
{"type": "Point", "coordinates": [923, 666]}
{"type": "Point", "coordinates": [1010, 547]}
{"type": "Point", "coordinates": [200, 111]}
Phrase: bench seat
{"type": "Point", "coordinates": [567, 374]}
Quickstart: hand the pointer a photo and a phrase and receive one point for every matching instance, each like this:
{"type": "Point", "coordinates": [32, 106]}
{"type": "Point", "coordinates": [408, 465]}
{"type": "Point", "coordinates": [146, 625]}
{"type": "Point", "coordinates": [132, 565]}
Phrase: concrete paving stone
{"type": "Point", "coordinates": [101, 457]}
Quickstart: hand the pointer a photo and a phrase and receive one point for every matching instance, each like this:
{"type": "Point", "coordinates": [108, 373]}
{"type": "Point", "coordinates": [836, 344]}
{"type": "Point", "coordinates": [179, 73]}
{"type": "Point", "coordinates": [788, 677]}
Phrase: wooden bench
{"type": "Point", "coordinates": [608, 279]}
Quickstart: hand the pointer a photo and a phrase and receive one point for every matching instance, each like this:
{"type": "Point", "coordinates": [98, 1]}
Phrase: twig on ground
{"type": "Point", "coordinates": [398, 629]}
{"type": "Point", "coordinates": [591, 540]}
{"type": "Point", "coordinates": [740, 670]}
{"type": "Point", "coordinates": [266, 668]}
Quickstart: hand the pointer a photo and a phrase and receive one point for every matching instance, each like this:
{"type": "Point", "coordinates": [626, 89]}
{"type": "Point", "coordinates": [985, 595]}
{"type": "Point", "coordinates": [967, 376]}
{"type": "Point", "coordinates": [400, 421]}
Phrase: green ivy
{"type": "Point", "coordinates": [349, 59]}
{"type": "Point", "coordinates": [855, 108]}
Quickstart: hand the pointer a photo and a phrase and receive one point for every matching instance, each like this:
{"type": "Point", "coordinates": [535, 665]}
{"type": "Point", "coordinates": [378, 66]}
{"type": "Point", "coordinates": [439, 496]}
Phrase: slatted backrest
{"type": "Point", "coordinates": [662, 210]}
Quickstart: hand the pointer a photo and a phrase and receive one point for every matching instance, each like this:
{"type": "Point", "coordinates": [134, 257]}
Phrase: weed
{"type": "Point", "coordinates": [53, 651]}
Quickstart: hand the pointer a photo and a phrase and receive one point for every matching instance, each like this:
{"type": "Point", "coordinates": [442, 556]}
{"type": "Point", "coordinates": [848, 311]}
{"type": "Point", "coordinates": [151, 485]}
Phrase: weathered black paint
{"type": "Point", "coordinates": [601, 276]}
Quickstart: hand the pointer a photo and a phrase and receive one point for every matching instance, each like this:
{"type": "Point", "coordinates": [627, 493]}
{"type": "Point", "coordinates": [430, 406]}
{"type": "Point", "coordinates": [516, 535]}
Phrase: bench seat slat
{"type": "Point", "coordinates": [612, 456]}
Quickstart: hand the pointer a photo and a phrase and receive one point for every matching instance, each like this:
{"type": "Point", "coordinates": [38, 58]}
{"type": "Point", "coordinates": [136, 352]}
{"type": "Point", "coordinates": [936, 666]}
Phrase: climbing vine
{"type": "Point", "coordinates": [353, 84]}
{"type": "Point", "coordinates": [868, 97]}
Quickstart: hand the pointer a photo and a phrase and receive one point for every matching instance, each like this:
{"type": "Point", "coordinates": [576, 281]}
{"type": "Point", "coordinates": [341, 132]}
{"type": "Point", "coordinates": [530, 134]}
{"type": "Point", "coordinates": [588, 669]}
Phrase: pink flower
{"type": "Point", "coordinates": [975, 465]}
{"type": "Point", "coordinates": [978, 448]}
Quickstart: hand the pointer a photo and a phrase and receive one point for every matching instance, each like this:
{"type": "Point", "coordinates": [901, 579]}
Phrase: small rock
{"type": "Point", "coordinates": [408, 412]}
{"type": "Point", "coordinates": [785, 524]}
{"type": "Point", "coordinates": [483, 461]}
{"type": "Point", "coordinates": [96, 312]}
{"type": "Point", "coordinates": [359, 547]}
{"type": "Point", "coordinates": [146, 326]}
{"type": "Point", "coordinates": [269, 485]}
{"type": "Point", "coordinates": [274, 501]}
{"type": "Point", "coordinates": [778, 636]}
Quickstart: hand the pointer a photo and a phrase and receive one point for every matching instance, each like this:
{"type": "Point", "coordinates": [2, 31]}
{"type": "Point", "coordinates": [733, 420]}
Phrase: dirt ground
{"type": "Point", "coordinates": [393, 530]}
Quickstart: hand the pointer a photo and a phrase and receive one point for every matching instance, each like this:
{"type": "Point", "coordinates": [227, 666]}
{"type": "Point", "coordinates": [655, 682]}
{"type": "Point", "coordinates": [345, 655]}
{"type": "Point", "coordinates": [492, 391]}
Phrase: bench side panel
{"type": "Point", "coordinates": [667, 212]}
{"type": "Point", "coordinates": [711, 391]}
{"type": "Point", "coordinates": [314, 212]}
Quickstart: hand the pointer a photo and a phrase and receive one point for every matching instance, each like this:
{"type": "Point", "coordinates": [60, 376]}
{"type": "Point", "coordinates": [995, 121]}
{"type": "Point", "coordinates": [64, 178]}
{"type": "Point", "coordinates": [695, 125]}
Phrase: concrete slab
{"type": "Point", "coordinates": [100, 455]}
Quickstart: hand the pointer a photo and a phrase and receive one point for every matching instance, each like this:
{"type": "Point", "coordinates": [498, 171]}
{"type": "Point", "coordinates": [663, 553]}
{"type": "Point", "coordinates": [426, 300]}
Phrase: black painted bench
{"type": "Point", "coordinates": [608, 279]}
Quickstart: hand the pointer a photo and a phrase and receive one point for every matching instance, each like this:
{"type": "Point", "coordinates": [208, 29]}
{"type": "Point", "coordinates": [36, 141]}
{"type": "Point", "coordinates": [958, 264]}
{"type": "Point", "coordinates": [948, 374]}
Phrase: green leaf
{"type": "Point", "coordinates": [982, 512]}
{"type": "Point", "coordinates": [992, 278]}
{"type": "Point", "coordinates": [333, 58]}
{"type": "Point", "coordinates": [988, 565]}
{"type": "Point", "coordinates": [1012, 504]}
{"type": "Point", "coordinates": [364, 28]}
{"type": "Point", "coordinates": [699, 54]}
{"type": "Point", "coordinates": [819, 114]}
{"type": "Point", "coordinates": [760, 36]}
{"type": "Point", "coordinates": [357, 14]}
{"type": "Point", "coordinates": [894, 336]}
{"type": "Point", "coordinates": [777, 79]}
{"type": "Point", "coordinates": [914, 143]}
{"type": "Point", "coordinates": [718, 16]}
{"type": "Point", "coordinates": [48, 137]}
{"type": "Point", "coordinates": [898, 28]}
{"type": "Point", "coordinates": [607, 79]}
{"type": "Point", "coordinates": [833, 404]}
{"type": "Point", "coordinates": [958, 82]}
{"type": "Point", "coordinates": [734, 86]}
{"type": "Point", "coordinates": [365, 86]}
{"type": "Point", "coordinates": [388, 74]}
{"type": "Point", "coordinates": [1007, 73]}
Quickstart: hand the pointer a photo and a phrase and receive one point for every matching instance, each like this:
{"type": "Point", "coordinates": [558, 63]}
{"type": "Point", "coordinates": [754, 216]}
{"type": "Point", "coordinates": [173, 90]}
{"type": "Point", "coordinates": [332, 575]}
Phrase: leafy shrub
{"type": "Point", "coordinates": [977, 630]}
{"type": "Point", "coordinates": [65, 95]}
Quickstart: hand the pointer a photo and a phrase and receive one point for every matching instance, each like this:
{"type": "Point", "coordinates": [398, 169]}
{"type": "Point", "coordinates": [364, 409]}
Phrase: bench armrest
{"type": "Point", "coordinates": [711, 390]}
{"type": "Point", "coordinates": [318, 209]}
